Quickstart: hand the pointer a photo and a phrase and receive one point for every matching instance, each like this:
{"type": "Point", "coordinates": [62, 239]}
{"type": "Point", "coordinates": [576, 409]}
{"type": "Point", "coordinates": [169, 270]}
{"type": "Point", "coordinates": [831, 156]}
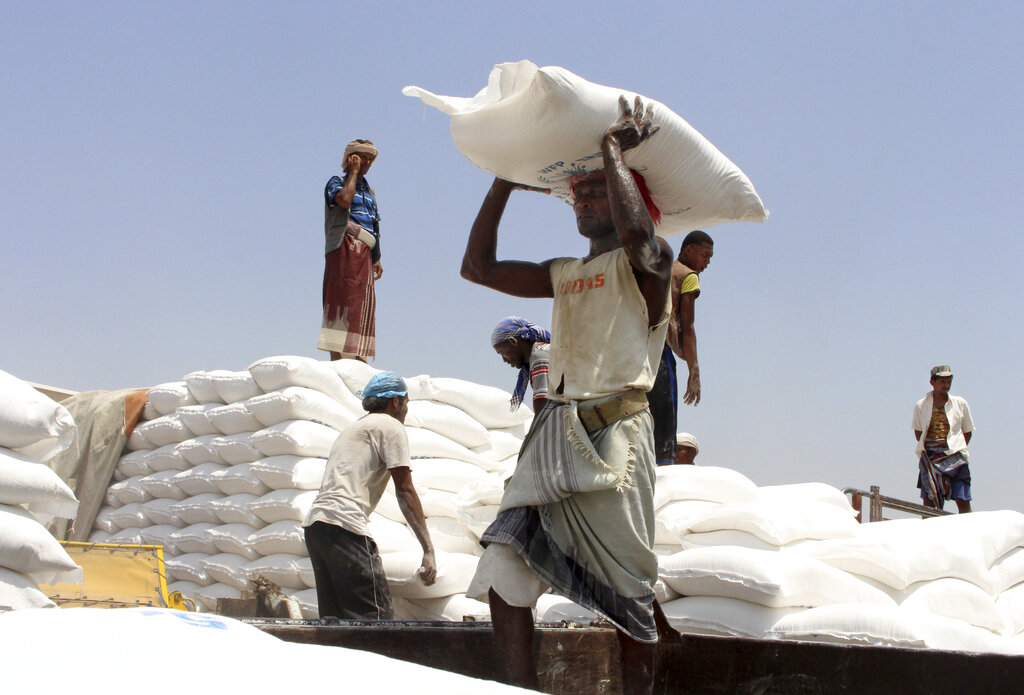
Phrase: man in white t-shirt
{"type": "Point", "coordinates": [350, 581]}
{"type": "Point", "coordinates": [943, 427]}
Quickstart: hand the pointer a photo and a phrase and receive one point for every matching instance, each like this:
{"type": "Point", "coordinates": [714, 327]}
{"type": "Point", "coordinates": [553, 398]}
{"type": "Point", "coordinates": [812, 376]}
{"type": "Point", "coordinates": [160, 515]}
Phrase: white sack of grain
{"type": "Point", "coordinates": [18, 592]}
{"type": "Point", "coordinates": [718, 615]}
{"type": "Point", "coordinates": [552, 608]}
{"type": "Point", "coordinates": [234, 539]}
{"type": "Point", "coordinates": [1007, 570]}
{"type": "Point", "coordinates": [27, 547]}
{"type": "Point", "coordinates": [709, 483]}
{"type": "Point", "coordinates": [198, 450]}
{"type": "Point", "coordinates": [198, 480]}
{"type": "Point", "coordinates": [238, 479]}
{"type": "Point", "coordinates": [451, 536]}
{"type": "Point", "coordinates": [200, 384]}
{"type": "Point", "coordinates": [236, 509]}
{"type": "Point", "coordinates": [447, 421]}
{"type": "Point", "coordinates": [234, 387]}
{"type": "Point", "coordinates": [166, 429]}
{"type": "Point", "coordinates": [188, 567]}
{"type": "Point", "coordinates": [233, 418]}
{"type": "Point", "coordinates": [799, 493]}
{"type": "Point", "coordinates": [166, 458]}
{"type": "Point", "coordinates": [196, 509]}
{"type": "Point", "coordinates": [780, 524]}
{"type": "Point", "coordinates": [290, 472]}
{"type": "Point", "coordinates": [283, 569]}
{"type": "Point", "coordinates": [300, 403]}
{"type": "Point", "coordinates": [235, 448]}
{"type": "Point", "coordinates": [446, 474]}
{"type": "Point", "coordinates": [31, 423]}
{"type": "Point", "coordinates": [25, 481]}
{"type": "Point", "coordinates": [427, 444]}
{"type": "Point", "coordinates": [454, 573]}
{"type": "Point", "coordinates": [160, 535]}
{"type": "Point", "coordinates": [276, 373]}
{"type": "Point", "coordinates": [195, 538]}
{"type": "Point", "coordinates": [127, 491]}
{"type": "Point", "coordinates": [774, 579]}
{"type": "Point", "coordinates": [162, 511]}
{"type": "Point", "coordinates": [229, 569]}
{"type": "Point", "coordinates": [456, 608]}
{"type": "Point", "coordinates": [283, 505]}
{"type": "Point", "coordinates": [539, 126]}
{"type": "Point", "coordinates": [167, 398]}
{"type": "Point", "coordinates": [197, 418]}
{"type": "Point", "coordinates": [959, 600]}
{"type": "Point", "coordinates": [134, 463]}
{"type": "Point", "coordinates": [279, 537]}
{"type": "Point", "coordinates": [295, 437]}
{"type": "Point", "coordinates": [128, 516]}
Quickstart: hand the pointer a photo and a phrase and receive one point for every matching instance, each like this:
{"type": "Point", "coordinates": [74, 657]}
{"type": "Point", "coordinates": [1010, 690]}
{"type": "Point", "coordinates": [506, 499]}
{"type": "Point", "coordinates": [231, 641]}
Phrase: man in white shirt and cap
{"type": "Point", "coordinates": [942, 428]}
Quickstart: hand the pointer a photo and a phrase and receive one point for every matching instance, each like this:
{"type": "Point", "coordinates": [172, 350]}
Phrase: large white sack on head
{"type": "Point", "coordinates": [446, 474]}
{"type": "Point", "coordinates": [35, 425]}
{"type": "Point", "coordinates": [233, 418]}
{"type": "Point", "coordinates": [959, 600]}
{"type": "Point", "coordinates": [290, 472]}
{"type": "Point", "coordinates": [27, 547]}
{"type": "Point", "coordinates": [24, 481]}
{"type": "Point", "coordinates": [197, 418]}
{"type": "Point", "coordinates": [283, 569]}
{"type": "Point", "coordinates": [235, 448]}
{"type": "Point", "coordinates": [427, 444]}
{"type": "Point", "coordinates": [279, 537]}
{"type": "Point", "coordinates": [448, 421]}
{"type": "Point", "coordinates": [188, 567]}
{"type": "Point", "coordinates": [487, 405]}
{"type": "Point", "coordinates": [168, 397]}
{"type": "Point", "coordinates": [166, 429]}
{"type": "Point", "coordinates": [201, 385]}
{"type": "Point", "coordinates": [454, 573]}
{"type": "Point", "coordinates": [779, 524]}
{"type": "Point", "coordinates": [552, 608]}
{"type": "Point", "coordinates": [229, 569]}
{"type": "Point", "coordinates": [275, 373]}
{"type": "Point", "coordinates": [26, 640]}
{"type": "Point", "coordinates": [296, 437]}
{"type": "Point", "coordinates": [18, 592]}
{"type": "Point", "coordinates": [1007, 571]}
{"type": "Point", "coordinates": [235, 539]}
{"type": "Point", "coordinates": [768, 578]}
{"type": "Point", "coordinates": [710, 483]}
{"type": "Point", "coordinates": [799, 493]}
{"type": "Point", "coordinates": [539, 126]}
{"type": "Point", "coordinates": [236, 509]}
{"type": "Point", "coordinates": [238, 479]}
{"type": "Point", "coordinates": [282, 505]}
{"type": "Point", "coordinates": [234, 387]}
{"type": "Point", "coordinates": [301, 403]}
{"type": "Point", "coordinates": [717, 615]}
{"type": "Point", "coordinates": [195, 539]}
{"type": "Point", "coordinates": [196, 509]}
{"type": "Point", "coordinates": [198, 480]}
{"type": "Point", "coordinates": [456, 608]}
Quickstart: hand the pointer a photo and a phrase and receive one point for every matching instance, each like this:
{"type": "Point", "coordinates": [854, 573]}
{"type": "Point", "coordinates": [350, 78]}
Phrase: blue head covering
{"type": "Point", "coordinates": [519, 328]}
{"type": "Point", "coordinates": [384, 385]}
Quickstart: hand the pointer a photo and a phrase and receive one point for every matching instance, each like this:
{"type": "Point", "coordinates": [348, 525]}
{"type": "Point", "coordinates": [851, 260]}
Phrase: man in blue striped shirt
{"type": "Point", "coordinates": [352, 258]}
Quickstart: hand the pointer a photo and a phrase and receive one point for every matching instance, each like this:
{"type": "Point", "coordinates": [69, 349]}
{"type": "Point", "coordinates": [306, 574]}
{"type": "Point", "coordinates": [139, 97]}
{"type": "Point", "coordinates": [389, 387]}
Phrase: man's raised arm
{"type": "Point", "coordinates": [480, 264]}
{"type": "Point", "coordinates": [650, 256]}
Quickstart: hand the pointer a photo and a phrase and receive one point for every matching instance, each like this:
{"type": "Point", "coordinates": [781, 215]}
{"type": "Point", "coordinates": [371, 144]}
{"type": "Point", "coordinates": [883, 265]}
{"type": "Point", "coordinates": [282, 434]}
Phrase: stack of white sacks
{"type": "Point", "coordinates": [33, 429]}
{"type": "Point", "coordinates": [226, 464]}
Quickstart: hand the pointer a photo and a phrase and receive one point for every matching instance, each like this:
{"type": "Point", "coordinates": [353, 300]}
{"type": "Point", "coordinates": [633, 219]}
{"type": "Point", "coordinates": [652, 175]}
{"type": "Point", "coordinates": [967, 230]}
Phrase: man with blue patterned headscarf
{"type": "Point", "coordinates": [350, 581]}
{"type": "Point", "coordinates": [525, 346]}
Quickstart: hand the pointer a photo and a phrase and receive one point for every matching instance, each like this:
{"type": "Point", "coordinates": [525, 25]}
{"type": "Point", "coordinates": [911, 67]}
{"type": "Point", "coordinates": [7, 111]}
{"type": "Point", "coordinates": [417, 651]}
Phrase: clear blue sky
{"type": "Point", "coordinates": [163, 168]}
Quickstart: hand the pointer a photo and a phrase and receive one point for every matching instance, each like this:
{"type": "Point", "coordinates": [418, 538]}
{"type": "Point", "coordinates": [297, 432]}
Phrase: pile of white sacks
{"type": "Point", "coordinates": [226, 464]}
{"type": "Point", "coordinates": [33, 429]}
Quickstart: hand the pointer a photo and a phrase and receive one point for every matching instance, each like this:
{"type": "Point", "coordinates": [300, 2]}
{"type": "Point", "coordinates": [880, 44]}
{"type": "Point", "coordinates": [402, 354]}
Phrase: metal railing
{"type": "Point", "coordinates": [879, 501]}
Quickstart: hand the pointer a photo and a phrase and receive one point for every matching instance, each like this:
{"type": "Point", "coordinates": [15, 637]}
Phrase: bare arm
{"type": "Point", "coordinates": [688, 339]}
{"type": "Point", "coordinates": [650, 256]}
{"type": "Point", "coordinates": [345, 196]}
{"type": "Point", "coordinates": [967, 437]}
{"type": "Point", "coordinates": [412, 510]}
{"type": "Point", "coordinates": [480, 263]}
{"type": "Point", "coordinates": [917, 435]}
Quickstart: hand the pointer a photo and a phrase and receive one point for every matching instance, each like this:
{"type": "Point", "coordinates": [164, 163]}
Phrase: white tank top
{"type": "Point", "coordinates": [601, 339]}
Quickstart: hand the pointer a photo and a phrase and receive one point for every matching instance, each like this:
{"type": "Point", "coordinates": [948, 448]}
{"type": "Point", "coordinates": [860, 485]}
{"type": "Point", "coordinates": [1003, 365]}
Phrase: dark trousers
{"type": "Point", "coordinates": [350, 581]}
{"type": "Point", "coordinates": [664, 400]}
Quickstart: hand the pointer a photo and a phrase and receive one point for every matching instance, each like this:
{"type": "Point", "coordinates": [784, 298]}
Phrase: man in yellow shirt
{"type": "Point", "coordinates": [694, 258]}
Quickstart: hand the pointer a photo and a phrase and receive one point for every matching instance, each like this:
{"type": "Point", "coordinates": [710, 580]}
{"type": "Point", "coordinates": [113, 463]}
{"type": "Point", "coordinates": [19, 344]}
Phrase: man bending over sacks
{"type": "Point", "coordinates": [578, 514]}
{"type": "Point", "coordinates": [350, 581]}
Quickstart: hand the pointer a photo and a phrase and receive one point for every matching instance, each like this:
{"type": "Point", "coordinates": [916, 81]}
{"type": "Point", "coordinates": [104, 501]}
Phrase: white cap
{"type": "Point", "coordinates": [687, 439]}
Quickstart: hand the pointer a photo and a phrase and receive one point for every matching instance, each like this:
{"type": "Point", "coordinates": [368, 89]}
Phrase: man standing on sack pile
{"type": "Point", "coordinates": [694, 258]}
{"type": "Point", "coordinates": [525, 346]}
{"type": "Point", "coordinates": [350, 581]}
{"type": "Point", "coordinates": [578, 513]}
{"type": "Point", "coordinates": [943, 427]}
{"type": "Point", "coordinates": [352, 258]}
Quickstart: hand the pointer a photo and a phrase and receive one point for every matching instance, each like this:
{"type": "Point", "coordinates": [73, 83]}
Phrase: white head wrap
{"type": "Point", "coordinates": [687, 439]}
